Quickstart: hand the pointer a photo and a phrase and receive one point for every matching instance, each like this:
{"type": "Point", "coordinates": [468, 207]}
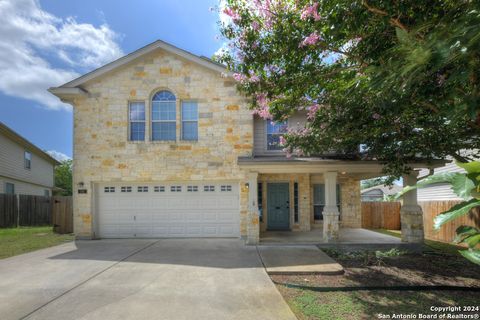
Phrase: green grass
{"type": "Point", "coordinates": [366, 304]}
{"type": "Point", "coordinates": [430, 244]}
{"type": "Point", "coordinates": [14, 241]}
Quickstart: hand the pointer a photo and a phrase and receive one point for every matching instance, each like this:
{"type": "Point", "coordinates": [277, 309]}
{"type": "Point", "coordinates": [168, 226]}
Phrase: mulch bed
{"type": "Point", "coordinates": [405, 270]}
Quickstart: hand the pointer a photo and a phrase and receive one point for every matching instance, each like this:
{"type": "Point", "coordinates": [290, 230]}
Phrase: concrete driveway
{"type": "Point", "coordinates": [140, 279]}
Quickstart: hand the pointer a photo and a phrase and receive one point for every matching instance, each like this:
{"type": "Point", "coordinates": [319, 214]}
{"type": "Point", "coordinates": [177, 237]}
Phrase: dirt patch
{"type": "Point", "coordinates": [402, 279]}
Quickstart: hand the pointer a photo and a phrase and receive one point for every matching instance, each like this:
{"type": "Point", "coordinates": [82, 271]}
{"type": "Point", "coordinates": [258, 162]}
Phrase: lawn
{"type": "Point", "coordinates": [389, 282]}
{"type": "Point", "coordinates": [14, 241]}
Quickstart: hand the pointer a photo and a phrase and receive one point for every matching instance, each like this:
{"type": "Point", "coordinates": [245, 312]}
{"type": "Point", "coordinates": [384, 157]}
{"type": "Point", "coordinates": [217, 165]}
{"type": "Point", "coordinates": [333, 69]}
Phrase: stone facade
{"type": "Point", "coordinates": [102, 152]}
{"type": "Point", "coordinates": [350, 206]}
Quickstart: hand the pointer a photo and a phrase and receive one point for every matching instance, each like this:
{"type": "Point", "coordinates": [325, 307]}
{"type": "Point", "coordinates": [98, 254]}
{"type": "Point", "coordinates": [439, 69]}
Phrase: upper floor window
{"type": "Point", "coordinates": [189, 120]}
{"type": "Point", "coordinates": [27, 156]}
{"type": "Point", "coordinates": [164, 116]}
{"type": "Point", "coordinates": [137, 121]}
{"type": "Point", "coordinates": [274, 131]}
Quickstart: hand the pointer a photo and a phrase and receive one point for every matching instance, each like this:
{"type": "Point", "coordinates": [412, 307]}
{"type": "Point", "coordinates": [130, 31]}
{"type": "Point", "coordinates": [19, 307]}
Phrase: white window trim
{"type": "Point", "coordinates": [266, 136]}
{"type": "Point", "coordinates": [191, 121]}
{"type": "Point", "coordinates": [137, 121]}
{"type": "Point", "coordinates": [25, 160]}
{"type": "Point", "coordinates": [163, 121]}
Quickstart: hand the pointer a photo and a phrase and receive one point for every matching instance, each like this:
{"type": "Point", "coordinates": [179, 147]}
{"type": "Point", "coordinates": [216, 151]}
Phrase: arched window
{"type": "Point", "coordinates": [164, 116]}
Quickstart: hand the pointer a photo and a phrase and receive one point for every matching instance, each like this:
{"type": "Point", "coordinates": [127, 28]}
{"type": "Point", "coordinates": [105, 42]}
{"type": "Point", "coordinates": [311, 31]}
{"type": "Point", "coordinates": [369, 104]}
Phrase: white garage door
{"type": "Point", "coordinates": [168, 210]}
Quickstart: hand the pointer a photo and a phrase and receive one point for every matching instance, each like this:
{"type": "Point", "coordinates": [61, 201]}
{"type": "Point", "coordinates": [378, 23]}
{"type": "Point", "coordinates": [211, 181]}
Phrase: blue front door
{"type": "Point", "coordinates": [278, 207]}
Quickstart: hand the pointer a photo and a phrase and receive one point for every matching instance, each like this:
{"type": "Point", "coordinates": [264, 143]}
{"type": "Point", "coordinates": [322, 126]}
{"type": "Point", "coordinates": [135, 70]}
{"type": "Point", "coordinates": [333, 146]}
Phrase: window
{"type": "Point", "coordinates": [126, 189]}
{"type": "Point", "coordinates": [164, 116]}
{"type": "Point", "coordinates": [295, 202]}
{"type": "Point", "coordinates": [260, 200]}
{"type": "Point", "coordinates": [226, 188]}
{"type": "Point", "coordinates": [137, 121]}
{"type": "Point", "coordinates": [28, 160]}
{"type": "Point", "coordinates": [319, 200]}
{"type": "Point", "coordinates": [142, 189]}
{"type": "Point", "coordinates": [176, 189]}
{"type": "Point", "coordinates": [46, 193]}
{"type": "Point", "coordinates": [274, 131]}
{"type": "Point", "coordinates": [109, 189]}
{"type": "Point", "coordinates": [159, 189]}
{"type": "Point", "coordinates": [9, 188]}
{"type": "Point", "coordinates": [208, 188]}
{"type": "Point", "coordinates": [189, 121]}
{"type": "Point", "coordinates": [192, 188]}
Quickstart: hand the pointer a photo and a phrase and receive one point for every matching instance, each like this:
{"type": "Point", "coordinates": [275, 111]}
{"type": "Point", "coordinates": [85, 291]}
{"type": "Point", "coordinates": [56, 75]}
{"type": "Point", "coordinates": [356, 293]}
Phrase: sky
{"type": "Point", "coordinates": [45, 43]}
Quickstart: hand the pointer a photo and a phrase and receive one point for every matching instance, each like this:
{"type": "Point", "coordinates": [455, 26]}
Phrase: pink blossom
{"type": "Point", "coordinates": [264, 9]}
{"type": "Point", "coordinates": [312, 39]}
{"type": "Point", "coordinates": [262, 99]}
{"type": "Point", "coordinates": [376, 116]}
{"type": "Point", "coordinates": [310, 11]}
{"type": "Point", "coordinates": [253, 77]}
{"type": "Point", "coordinates": [312, 111]}
{"type": "Point", "coordinates": [263, 113]}
{"type": "Point", "coordinates": [232, 14]}
{"type": "Point", "coordinates": [262, 107]}
{"type": "Point", "coordinates": [255, 26]}
{"type": "Point", "coordinates": [240, 77]}
{"type": "Point", "coordinates": [282, 140]}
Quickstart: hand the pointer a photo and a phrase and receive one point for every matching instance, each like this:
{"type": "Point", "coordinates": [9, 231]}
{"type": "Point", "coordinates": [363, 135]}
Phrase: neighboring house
{"type": "Point", "coordinates": [165, 146]}
{"type": "Point", "coordinates": [24, 168]}
{"type": "Point", "coordinates": [439, 191]}
{"type": "Point", "coordinates": [380, 193]}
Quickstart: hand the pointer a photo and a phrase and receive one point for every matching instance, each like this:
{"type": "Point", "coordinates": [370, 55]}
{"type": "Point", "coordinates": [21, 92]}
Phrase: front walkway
{"type": "Point", "coordinates": [140, 279]}
{"type": "Point", "coordinates": [315, 236]}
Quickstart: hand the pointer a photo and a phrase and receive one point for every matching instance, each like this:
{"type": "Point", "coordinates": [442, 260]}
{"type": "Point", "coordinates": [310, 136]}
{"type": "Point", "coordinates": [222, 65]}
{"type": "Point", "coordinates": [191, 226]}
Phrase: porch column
{"type": "Point", "coordinates": [330, 211]}
{"type": "Point", "coordinates": [253, 226]}
{"type": "Point", "coordinates": [411, 215]}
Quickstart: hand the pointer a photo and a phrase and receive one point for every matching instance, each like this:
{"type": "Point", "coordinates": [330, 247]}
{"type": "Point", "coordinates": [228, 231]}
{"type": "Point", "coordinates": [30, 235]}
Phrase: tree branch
{"type": "Point", "coordinates": [393, 21]}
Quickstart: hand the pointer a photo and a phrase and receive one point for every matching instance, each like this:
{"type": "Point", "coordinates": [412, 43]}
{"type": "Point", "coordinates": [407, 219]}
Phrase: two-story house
{"type": "Point", "coordinates": [24, 168]}
{"type": "Point", "coordinates": [165, 146]}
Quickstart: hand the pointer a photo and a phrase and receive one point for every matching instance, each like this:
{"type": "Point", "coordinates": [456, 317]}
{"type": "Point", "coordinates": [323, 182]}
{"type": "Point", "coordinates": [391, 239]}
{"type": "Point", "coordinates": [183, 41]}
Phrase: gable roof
{"type": "Point", "coordinates": [12, 135]}
{"type": "Point", "coordinates": [159, 44]}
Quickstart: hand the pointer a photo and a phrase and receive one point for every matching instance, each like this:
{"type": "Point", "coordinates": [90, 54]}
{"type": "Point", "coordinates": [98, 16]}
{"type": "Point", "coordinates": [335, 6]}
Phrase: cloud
{"type": "Point", "coordinates": [31, 39]}
{"type": "Point", "coordinates": [58, 155]}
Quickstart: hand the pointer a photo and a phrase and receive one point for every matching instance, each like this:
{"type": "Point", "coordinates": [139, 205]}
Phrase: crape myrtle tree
{"type": "Point", "coordinates": [394, 81]}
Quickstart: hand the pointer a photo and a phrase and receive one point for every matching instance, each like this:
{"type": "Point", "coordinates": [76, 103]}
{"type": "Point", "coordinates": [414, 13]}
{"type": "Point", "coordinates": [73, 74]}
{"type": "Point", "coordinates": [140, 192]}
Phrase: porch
{"type": "Point", "coordinates": [317, 201]}
{"type": "Point", "coordinates": [346, 236]}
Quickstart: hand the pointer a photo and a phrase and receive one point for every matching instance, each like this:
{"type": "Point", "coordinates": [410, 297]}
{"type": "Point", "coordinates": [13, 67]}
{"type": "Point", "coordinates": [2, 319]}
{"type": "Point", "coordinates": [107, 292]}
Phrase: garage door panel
{"type": "Point", "coordinates": [152, 214]}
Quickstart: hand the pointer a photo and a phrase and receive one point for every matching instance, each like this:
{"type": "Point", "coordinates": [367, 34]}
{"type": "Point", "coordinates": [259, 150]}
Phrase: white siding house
{"type": "Point", "coordinates": [24, 168]}
{"type": "Point", "coordinates": [438, 191]}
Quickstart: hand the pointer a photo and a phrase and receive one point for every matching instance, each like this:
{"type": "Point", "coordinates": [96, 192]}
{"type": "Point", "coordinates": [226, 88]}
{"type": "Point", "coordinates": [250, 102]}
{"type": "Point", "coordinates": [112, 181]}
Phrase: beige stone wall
{"type": "Point", "coordinates": [350, 205]}
{"type": "Point", "coordinates": [103, 153]}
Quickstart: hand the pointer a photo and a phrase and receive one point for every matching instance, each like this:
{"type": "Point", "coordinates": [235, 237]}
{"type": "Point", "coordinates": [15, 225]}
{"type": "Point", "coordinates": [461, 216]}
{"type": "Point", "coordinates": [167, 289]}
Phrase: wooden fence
{"type": "Point", "coordinates": [8, 211]}
{"type": "Point", "coordinates": [381, 215]}
{"type": "Point", "coordinates": [447, 232]}
{"type": "Point", "coordinates": [386, 215]}
{"type": "Point", "coordinates": [62, 214]}
{"type": "Point", "coordinates": [27, 210]}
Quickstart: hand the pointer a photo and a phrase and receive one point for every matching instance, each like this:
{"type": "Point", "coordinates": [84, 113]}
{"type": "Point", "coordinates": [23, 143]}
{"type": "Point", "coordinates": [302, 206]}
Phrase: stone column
{"type": "Point", "coordinates": [411, 214]}
{"type": "Point", "coordinates": [253, 226]}
{"type": "Point", "coordinates": [304, 206]}
{"type": "Point", "coordinates": [330, 211]}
